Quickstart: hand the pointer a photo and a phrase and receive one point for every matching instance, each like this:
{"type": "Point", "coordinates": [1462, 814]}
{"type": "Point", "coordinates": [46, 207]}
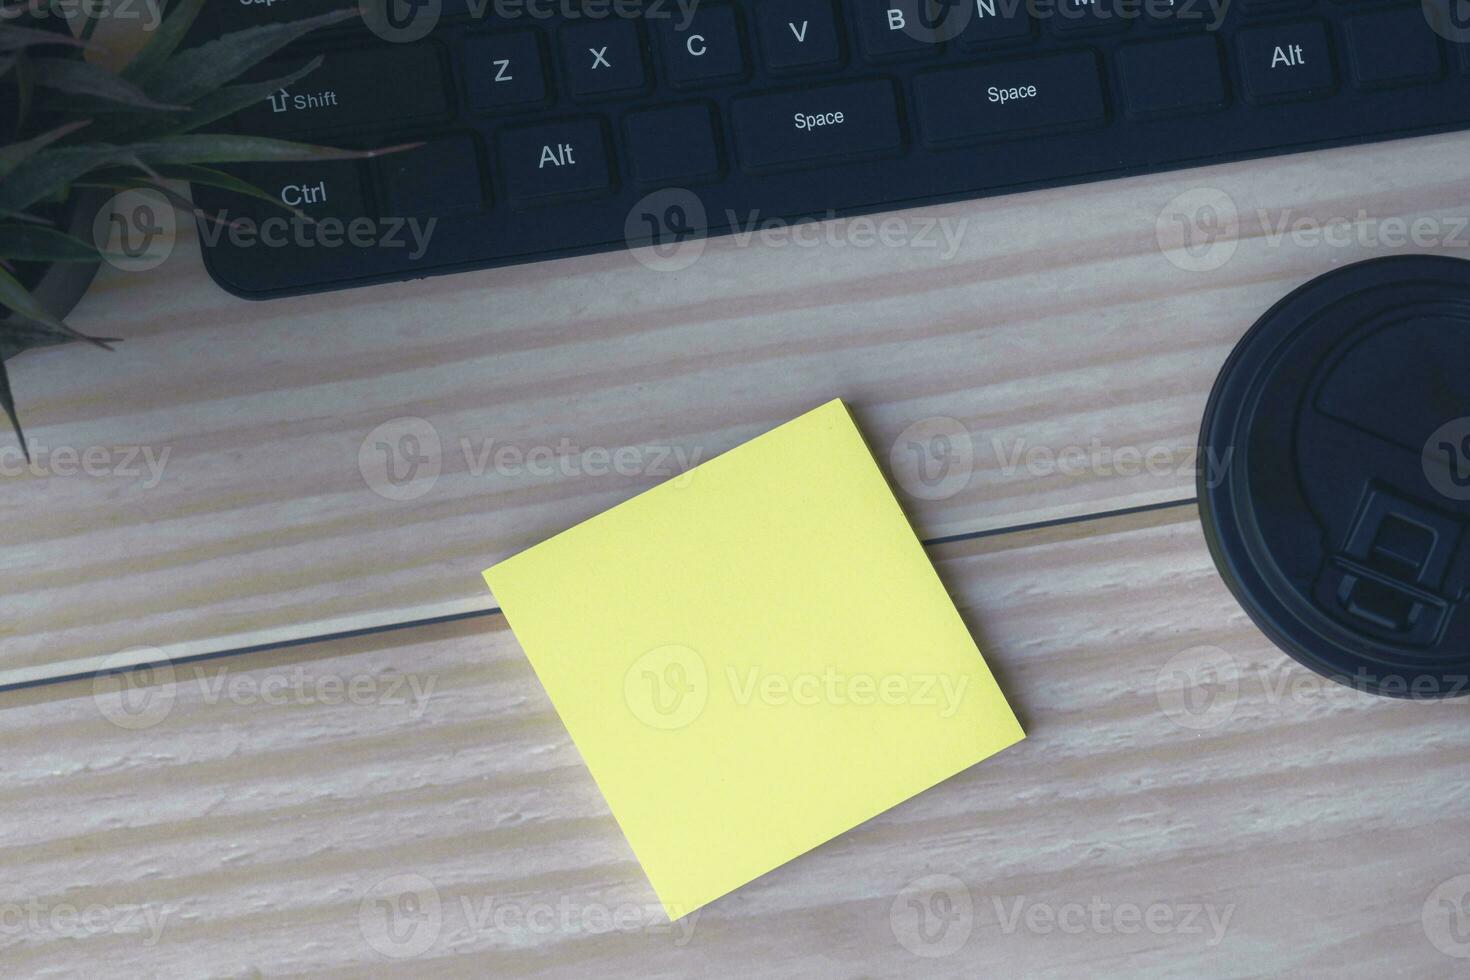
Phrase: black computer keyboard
{"type": "Point", "coordinates": [547, 136]}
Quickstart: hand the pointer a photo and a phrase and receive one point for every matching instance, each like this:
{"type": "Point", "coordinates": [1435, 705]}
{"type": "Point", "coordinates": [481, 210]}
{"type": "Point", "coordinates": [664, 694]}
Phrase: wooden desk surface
{"type": "Point", "coordinates": [1189, 800]}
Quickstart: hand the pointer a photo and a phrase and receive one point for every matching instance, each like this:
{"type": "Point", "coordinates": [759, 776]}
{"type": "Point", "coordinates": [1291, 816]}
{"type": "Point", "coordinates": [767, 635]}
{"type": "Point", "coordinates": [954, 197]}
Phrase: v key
{"type": "Point", "coordinates": [799, 35]}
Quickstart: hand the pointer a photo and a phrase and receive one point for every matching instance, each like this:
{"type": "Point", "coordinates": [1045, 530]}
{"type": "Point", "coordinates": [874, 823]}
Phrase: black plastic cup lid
{"type": "Point", "coordinates": [1335, 488]}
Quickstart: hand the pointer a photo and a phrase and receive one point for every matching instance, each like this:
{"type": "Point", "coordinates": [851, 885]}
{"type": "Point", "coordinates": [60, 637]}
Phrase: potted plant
{"type": "Point", "coordinates": [78, 129]}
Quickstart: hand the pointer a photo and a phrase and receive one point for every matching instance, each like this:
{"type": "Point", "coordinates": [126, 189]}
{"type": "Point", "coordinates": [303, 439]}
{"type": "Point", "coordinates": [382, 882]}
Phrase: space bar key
{"type": "Point", "coordinates": [804, 128]}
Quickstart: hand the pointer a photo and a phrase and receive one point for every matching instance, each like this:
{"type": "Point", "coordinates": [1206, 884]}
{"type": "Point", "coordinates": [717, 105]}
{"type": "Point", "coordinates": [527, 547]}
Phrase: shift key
{"type": "Point", "coordinates": [1008, 98]}
{"type": "Point", "coordinates": [815, 125]}
{"type": "Point", "coordinates": [350, 89]}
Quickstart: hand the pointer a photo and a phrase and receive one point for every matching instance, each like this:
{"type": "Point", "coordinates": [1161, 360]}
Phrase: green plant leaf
{"type": "Point", "coordinates": [36, 243]}
{"type": "Point", "coordinates": [7, 402]}
{"type": "Point", "coordinates": [50, 172]}
{"type": "Point", "coordinates": [209, 177]}
{"type": "Point", "coordinates": [194, 73]}
{"type": "Point", "coordinates": [18, 299]}
{"type": "Point", "coordinates": [232, 98]}
{"type": "Point", "coordinates": [86, 79]}
{"type": "Point", "coordinates": [25, 90]}
{"type": "Point", "coordinates": [14, 38]}
{"type": "Point", "coordinates": [14, 154]}
{"type": "Point", "coordinates": [223, 148]}
{"type": "Point", "coordinates": [165, 40]}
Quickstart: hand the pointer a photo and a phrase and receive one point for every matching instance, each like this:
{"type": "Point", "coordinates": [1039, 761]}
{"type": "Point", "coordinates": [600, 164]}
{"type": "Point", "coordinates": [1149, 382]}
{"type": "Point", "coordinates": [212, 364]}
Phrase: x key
{"type": "Point", "coordinates": [603, 58]}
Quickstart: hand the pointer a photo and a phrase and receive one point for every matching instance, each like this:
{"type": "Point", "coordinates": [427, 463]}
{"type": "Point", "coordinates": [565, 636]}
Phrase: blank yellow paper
{"type": "Point", "coordinates": [754, 657]}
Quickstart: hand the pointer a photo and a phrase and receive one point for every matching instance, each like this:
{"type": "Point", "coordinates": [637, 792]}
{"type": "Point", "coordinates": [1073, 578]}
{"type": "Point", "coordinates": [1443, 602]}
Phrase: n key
{"type": "Point", "coordinates": [798, 35]}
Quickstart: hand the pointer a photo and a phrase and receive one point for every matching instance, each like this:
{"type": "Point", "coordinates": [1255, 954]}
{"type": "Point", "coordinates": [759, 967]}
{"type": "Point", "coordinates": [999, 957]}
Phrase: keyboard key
{"type": "Point", "coordinates": [793, 129]}
{"type": "Point", "coordinates": [706, 50]}
{"type": "Point", "coordinates": [1090, 16]}
{"type": "Point", "coordinates": [798, 34]}
{"type": "Point", "coordinates": [995, 22]}
{"type": "Point", "coordinates": [1285, 61]}
{"type": "Point", "coordinates": [236, 15]}
{"type": "Point", "coordinates": [1393, 47]}
{"type": "Point", "coordinates": [673, 145]}
{"type": "Point", "coordinates": [1162, 78]}
{"type": "Point", "coordinates": [896, 29]}
{"type": "Point", "coordinates": [439, 179]}
{"type": "Point", "coordinates": [319, 189]}
{"type": "Point", "coordinates": [504, 70]}
{"type": "Point", "coordinates": [352, 89]}
{"type": "Point", "coordinates": [959, 105]}
{"type": "Point", "coordinates": [603, 58]}
{"type": "Point", "coordinates": [553, 162]}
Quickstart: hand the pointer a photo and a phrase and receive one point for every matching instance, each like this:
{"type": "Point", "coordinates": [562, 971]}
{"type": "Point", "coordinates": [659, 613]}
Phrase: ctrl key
{"type": "Point", "coordinates": [554, 162]}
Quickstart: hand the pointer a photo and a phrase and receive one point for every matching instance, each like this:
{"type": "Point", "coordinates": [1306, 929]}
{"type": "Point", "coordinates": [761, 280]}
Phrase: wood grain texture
{"type": "Point", "coordinates": [1311, 822]}
{"type": "Point", "coordinates": [1057, 326]}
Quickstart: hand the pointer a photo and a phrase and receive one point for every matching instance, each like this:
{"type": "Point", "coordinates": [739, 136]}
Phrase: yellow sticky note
{"type": "Point", "coordinates": [754, 657]}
